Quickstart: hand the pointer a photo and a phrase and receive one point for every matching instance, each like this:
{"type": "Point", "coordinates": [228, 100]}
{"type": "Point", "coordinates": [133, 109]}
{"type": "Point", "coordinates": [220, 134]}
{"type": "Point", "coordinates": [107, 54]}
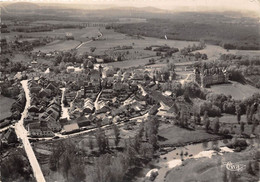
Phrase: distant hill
{"type": "Point", "coordinates": [22, 6]}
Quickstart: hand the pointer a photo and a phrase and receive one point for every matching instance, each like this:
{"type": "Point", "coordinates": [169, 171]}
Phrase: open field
{"type": "Point", "coordinates": [112, 39]}
{"type": "Point", "coordinates": [58, 46]}
{"type": "Point", "coordinates": [236, 90]}
{"type": "Point", "coordinates": [232, 119]}
{"type": "Point", "coordinates": [213, 52]}
{"type": "Point", "coordinates": [83, 34]}
{"type": "Point", "coordinates": [212, 169]}
{"type": "Point", "coordinates": [5, 106]}
{"type": "Point", "coordinates": [131, 63]}
{"type": "Point", "coordinates": [179, 136]}
{"type": "Point", "coordinates": [229, 122]}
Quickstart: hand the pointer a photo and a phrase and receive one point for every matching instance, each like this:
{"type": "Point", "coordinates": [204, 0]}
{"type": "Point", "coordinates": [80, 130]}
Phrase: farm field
{"type": "Point", "coordinates": [236, 90]}
{"type": "Point", "coordinates": [58, 46]}
{"type": "Point", "coordinates": [112, 39]}
{"type": "Point", "coordinates": [131, 63]}
{"type": "Point", "coordinates": [229, 122]}
{"type": "Point", "coordinates": [83, 34]}
{"type": "Point", "coordinates": [6, 104]}
{"type": "Point", "coordinates": [213, 52]}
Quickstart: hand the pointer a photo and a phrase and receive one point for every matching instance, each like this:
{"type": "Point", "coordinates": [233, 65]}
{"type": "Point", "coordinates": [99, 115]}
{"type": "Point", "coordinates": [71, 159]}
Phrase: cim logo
{"type": "Point", "coordinates": [234, 166]}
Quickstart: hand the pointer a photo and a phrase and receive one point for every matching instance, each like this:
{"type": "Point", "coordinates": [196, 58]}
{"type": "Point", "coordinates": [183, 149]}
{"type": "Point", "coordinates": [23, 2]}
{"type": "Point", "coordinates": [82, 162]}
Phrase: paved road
{"type": "Point", "coordinates": [21, 133]}
{"type": "Point", "coordinates": [5, 128]}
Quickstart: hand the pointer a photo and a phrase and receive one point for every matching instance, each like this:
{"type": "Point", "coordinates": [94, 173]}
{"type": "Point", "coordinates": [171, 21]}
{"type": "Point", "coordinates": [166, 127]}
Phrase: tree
{"type": "Point", "coordinates": [256, 166]}
{"type": "Point", "coordinates": [250, 169]}
{"type": "Point", "coordinates": [238, 112]}
{"type": "Point", "coordinates": [77, 173]}
{"type": "Point", "coordinates": [146, 150]}
{"type": "Point", "coordinates": [216, 126]}
{"type": "Point", "coordinates": [153, 141]}
{"type": "Point", "coordinates": [90, 141]}
{"type": "Point", "coordinates": [253, 128]}
{"type": "Point", "coordinates": [66, 166]}
{"type": "Point", "coordinates": [186, 96]}
{"type": "Point", "coordinates": [101, 140]}
{"type": "Point", "coordinates": [56, 155]}
{"type": "Point", "coordinates": [242, 127]}
{"type": "Point", "coordinates": [225, 176]}
{"type": "Point", "coordinates": [248, 115]}
{"type": "Point", "coordinates": [205, 116]}
{"type": "Point", "coordinates": [92, 49]}
{"type": "Point", "coordinates": [116, 133]}
{"type": "Point", "coordinates": [141, 131]}
{"type": "Point", "coordinates": [207, 124]}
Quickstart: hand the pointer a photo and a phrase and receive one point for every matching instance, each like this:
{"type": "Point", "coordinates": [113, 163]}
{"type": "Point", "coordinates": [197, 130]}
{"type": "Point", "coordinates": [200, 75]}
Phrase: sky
{"type": "Point", "coordinates": [194, 5]}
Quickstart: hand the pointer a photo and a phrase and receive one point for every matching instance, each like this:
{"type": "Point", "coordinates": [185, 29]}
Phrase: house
{"type": "Point", "coordinates": [99, 60]}
{"type": "Point", "coordinates": [9, 136]}
{"type": "Point", "coordinates": [94, 76]}
{"type": "Point", "coordinates": [70, 69]}
{"type": "Point", "coordinates": [45, 93]}
{"type": "Point", "coordinates": [88, 106]}
{"type": "Point", "coordinates": [34, 61]}
{"type": "Point", "coordinates": [33, 109]}
{"type": "Point", "coordinates": [39, 130]}
{"type": "Point", "coordinates": [154, 110]}
{"type": "Point", "coordinates": [103, 109]}
{"type": "Point", "coordinates": [53, 125]}
{"type": "Point", "coordinates": [166, 115]}
{"type": "Point", "coordinates": [18, 76]}
{"type": "Point", "coordinates": [35, 89]}
{"type": "Point", "coordinates": [53, 112]}
{"type": "Point", "coordinates": [119, 86]}
{"type": "Point", "coordinates": [108, 71]}
{"type": "Point", "coordinates": [83, 121]}
{"type": "Point", "coordinates": [137, 76]}
{"type": "Point", "coordinates": [52, 87]}
{"type": "Point", "coordinates": [16, 106]}
{"type": "Point", "coordinates": [70, 128]}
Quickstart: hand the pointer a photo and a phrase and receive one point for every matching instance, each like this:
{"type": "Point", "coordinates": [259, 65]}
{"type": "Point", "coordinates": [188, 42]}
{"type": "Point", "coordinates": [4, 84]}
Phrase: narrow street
{"type": "Point", "coordinates": [64, 110]}
{"type": "Point", "coordinates": [96, 101]}
{"type": "Point", "coordinates": [22, 133]}
{"type": "Point", "coordinates": [144, 93]}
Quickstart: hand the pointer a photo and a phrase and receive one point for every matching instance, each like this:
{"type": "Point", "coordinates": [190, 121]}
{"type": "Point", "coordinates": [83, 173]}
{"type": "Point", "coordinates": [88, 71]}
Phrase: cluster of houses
{"type": "Point", "coordinates": [18, 106]}
{"type": "Point", "coordinates": [45, 108]}
{"type": "Point", "coordinates": [16, 110]}
{"type": "Point", "coordinates": [8, 137]}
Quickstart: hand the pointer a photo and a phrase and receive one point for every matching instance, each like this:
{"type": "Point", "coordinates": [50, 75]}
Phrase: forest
{"type": "Point", "coordinates": [225, 33]}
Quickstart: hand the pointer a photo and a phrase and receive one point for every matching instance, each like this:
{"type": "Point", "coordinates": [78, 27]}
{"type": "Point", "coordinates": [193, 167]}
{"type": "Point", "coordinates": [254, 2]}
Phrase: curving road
{"type": "Point", "coordinates": [21, 133]}
{"type": "Point", "coordinates": [83, 43]}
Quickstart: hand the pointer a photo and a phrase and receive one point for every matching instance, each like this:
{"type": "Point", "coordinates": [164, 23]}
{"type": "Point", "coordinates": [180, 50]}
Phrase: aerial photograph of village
{"type": "Point", "coordinates": [130, 91]}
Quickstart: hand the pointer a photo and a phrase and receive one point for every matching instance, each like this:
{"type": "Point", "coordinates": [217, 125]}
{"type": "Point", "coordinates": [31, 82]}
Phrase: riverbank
{"type": "Point", "coordinates": [213, 169]}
